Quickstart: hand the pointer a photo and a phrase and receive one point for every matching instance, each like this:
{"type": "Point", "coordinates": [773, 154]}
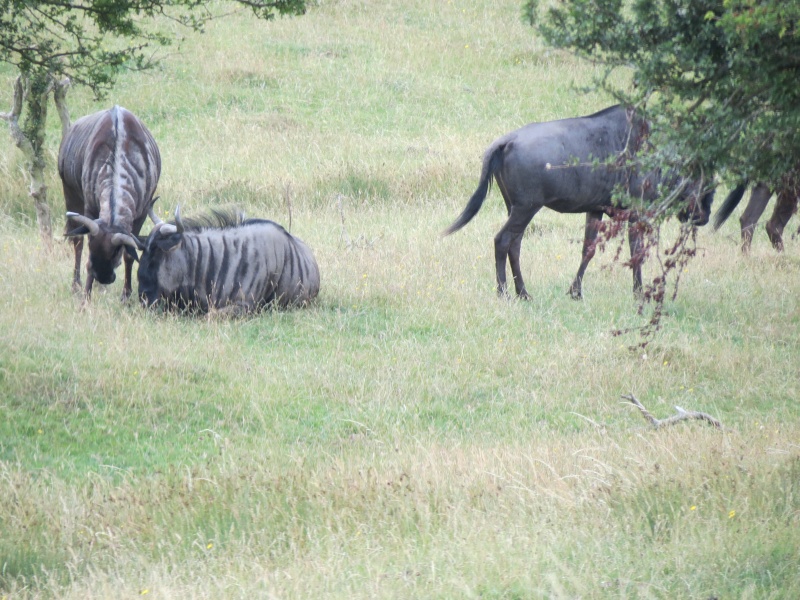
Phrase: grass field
{"type": "Point", "coordinates": [410, 435]}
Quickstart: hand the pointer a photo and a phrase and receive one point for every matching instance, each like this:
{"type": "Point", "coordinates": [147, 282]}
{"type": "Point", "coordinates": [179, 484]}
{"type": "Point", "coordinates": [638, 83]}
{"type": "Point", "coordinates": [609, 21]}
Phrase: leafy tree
{"type": "Point", "coordinates": [53, 43]}
{"type": "Point", "coordinates": [717, 79]}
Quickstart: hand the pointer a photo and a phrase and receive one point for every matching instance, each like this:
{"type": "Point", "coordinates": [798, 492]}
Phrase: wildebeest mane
{"type": "Point", "coordinates": [603, 111]}
{"type": "Point", "coordinates": [216, 218]}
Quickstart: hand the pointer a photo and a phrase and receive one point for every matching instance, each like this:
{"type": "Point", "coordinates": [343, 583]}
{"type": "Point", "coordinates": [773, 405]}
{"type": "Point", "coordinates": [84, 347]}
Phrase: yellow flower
{"type": "Point", "coordinates": [209, 546]}
{"type": "Point", "coordinates": [731, 514]}
{"type": "Point", "coordinates": [144, 592]}
{"type": "Point", "coordinates": [693, 508]}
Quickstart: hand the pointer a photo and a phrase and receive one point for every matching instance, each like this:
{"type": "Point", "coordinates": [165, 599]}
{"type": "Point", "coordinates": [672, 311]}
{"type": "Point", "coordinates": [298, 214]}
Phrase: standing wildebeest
{"type": "Point", "coordinates": [549, 164]}
{"type": "Point", "coordinates": [226, 262]}
{"type": "Point", "coordinates": [785, 207]}
{"type": "Point", "coordinates": [109, 165]}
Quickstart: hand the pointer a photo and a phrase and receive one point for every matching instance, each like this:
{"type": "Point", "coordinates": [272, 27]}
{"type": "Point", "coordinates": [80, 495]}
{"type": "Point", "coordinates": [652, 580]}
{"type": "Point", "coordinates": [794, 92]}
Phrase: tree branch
{"type": "Point", "coordinates": [682, 415]}
{"type": "Point", "coordinates": [60, 98]}
{"type": "Point", "coordinates": [22, 142]}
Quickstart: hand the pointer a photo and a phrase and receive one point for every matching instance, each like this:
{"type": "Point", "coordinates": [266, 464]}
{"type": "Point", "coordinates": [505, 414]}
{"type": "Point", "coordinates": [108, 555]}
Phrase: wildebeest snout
{"type": "Point", "coordinates": [697, 212]}
{"type": "Point", "coordinates": [104, 276]}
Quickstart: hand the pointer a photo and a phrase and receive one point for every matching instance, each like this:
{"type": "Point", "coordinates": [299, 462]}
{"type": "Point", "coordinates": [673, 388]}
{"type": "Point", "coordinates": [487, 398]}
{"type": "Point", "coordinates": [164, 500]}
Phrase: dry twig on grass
{"type": "Point", "coordinates": [682, 415]}
{"type": "Point", "coordinates": [287, 198]}
{"type": "Point", "coordinates": [344, 235]}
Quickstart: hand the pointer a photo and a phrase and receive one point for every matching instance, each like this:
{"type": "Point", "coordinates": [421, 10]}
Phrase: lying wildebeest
{"type": "Point", "coordinates": [109, 165]}
{"type": "Point", "coordinates": [785, 207]}
{"type": "Point", "coordinates": [550, 164]}
{"type": "Point", "coordinates": [226, 262]}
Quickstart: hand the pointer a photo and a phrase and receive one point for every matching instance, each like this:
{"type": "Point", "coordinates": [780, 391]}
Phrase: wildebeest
{"type": "Point", "coordinates": [109, 165]}
{"type": "Point", "coordinates": [550, 164]}
{"type": "Point", "coordinates": [226, 262]}
{"type": "Point", "coordinates": [785, 207]}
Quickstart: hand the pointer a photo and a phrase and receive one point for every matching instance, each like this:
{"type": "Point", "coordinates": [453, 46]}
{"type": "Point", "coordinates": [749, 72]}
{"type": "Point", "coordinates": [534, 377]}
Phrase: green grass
{"type": "Point", "coordinates": [409, 435]}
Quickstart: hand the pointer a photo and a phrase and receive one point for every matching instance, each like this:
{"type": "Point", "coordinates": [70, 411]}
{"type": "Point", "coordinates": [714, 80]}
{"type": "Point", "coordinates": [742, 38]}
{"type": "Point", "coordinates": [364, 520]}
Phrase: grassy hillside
{"type": "Point", "coordinates": [409, 435]}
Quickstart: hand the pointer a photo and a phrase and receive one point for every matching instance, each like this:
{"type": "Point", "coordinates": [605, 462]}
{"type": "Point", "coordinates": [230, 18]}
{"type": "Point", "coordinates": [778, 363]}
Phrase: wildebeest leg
{"type": "Point", "coordinates": [637, 253]}
{"type": "Point", "coordinates": [758, 202]}
{"type": "Point", "coordinates": [87, 291]}
{"type": "Point", "coordinates": [77, 243]}
{"type": "Point", "coordinates": [507, 243]}
{"type": "Point", "coordinates": [785, 207]}
{"type": "Point", "coordinates": [516, 271]}
{"type": "Point", "coordinates": [593, 219]}
{"type": "Point", "coordinates": [126, 287]}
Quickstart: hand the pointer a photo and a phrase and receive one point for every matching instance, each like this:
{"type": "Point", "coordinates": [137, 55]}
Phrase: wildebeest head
{"type": "Point", "coordinates": [106, 245]}
{"type": "Point", "coordinates": [698, 211]}
{"type": "Point", "coordinates": [159, 260]}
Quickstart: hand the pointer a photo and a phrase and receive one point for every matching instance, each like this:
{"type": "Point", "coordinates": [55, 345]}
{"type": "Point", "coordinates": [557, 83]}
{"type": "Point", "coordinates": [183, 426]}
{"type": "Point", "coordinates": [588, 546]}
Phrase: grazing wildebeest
{"type": "Point", "coordinates": [109, 165]}
{"type": "Point", "coordinates": [785, 207]}
{"type": "Point", "coordinates": [226, 262]}
{"type": "Point", "coordinates": [550, 164]}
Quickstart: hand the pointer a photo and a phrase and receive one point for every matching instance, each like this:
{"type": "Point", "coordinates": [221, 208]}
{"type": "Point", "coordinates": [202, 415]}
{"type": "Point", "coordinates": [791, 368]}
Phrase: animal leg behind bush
{"type": "Point", "coordinates": [637, 253]}
{"type": "Point", "coordinates": [785, 207]}
{"type": "Point", "coordinates": [759, 198]}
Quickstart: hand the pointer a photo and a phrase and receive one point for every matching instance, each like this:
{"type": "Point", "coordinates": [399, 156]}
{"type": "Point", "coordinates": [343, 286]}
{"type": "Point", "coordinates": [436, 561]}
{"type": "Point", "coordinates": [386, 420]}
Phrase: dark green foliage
{"type": "Point", "coordinates": [717, 77]}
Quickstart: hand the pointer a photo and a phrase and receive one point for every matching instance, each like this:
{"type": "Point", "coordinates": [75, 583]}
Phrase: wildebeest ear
{"type": "Point", "coordinates": [82, 230]}
{"type": "Point", "coordinates": [132, 253]}
{"type": "Point", "coordinates": [169, 243]}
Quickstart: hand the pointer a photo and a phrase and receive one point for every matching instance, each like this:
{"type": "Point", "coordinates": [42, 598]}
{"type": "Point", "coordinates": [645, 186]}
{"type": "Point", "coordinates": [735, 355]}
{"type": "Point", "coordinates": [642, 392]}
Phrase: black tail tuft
{"type": "Point", "coordinates": [492, 162]}
{"type": "Point", "coordinates": [729, 204]}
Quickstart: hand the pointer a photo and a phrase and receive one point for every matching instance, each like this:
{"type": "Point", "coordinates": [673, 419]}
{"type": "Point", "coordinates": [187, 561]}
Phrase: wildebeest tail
{"type": "Point", "coordinates": [729, 204]}
{"type": "Point", "coordinates": [492, 161]}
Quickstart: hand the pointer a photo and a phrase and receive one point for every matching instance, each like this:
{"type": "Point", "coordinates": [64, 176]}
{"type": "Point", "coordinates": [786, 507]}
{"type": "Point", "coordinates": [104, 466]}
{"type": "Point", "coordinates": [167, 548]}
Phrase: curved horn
{"type": "Point", "coordinates": [153, 216]}
{"type": "Point", "coordinates": [178, 222]}
{"type": "Point", "coordinates": [123, 239]}
{"type": "Point", "coordinates": [90, 224]}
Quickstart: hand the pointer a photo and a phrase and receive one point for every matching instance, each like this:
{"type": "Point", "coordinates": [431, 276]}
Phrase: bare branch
{"type": "Point", "coordinates": [22, 142]}
{"type": "Point", "coordinates": [682, 415]}
{"type": "Point", "coordinates": [287, 197]}
{"type": "Point", "coordinates": [60, 98]}
{"type": "Point", "coordinates": [344, 235]}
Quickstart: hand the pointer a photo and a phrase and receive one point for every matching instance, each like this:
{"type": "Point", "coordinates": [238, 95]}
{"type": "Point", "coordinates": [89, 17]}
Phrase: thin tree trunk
{"type": "Point", "coordinates": [33, 92]}
{"type": "Point", "coordinates": [60, 98]}
{"type": "Point", "coordinates": [33, 127]}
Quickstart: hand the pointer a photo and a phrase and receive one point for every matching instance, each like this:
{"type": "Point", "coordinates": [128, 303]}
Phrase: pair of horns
{"type": "Point", "coordinates": [118, 239]}
{"type": "Point", "coordinates": [168, 228]}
